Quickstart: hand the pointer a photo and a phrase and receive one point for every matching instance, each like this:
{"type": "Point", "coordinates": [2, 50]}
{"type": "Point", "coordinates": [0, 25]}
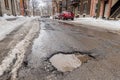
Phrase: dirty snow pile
{"type": "Point", "coordinates": [18, 53]}
{"type": "Point", "coordinates": [8, 17]}
{"type": "Point", "coordinates": [100, 23]}
{"type": "Point", "coordinates": [8, 26]}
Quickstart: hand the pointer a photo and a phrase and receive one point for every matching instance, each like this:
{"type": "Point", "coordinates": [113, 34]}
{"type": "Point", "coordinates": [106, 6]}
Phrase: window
{"type": "Point", "coordinates": [96, 9]}
{"type": "Point", "coordinates": [6, 4]}
{"type": "Point", "coordinates": [85, 7]}
{"type": "Point", "coordinates": [78, 7]}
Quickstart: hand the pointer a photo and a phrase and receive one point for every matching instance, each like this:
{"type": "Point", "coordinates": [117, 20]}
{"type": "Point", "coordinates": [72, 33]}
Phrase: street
{"type": "Point", "coordinates": [36, 42]}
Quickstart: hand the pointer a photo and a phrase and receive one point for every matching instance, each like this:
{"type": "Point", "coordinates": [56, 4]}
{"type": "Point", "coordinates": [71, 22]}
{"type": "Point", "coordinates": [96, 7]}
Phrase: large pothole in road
{"type": "Point", "coordinates": [65, 62]}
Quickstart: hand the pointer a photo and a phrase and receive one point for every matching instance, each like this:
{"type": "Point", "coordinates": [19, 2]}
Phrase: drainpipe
{"type": "Point", "coordinates": [21, 7]}
{"type": "Point", "coordinates": [102, 8]}
{"type": "Point", "coordinates": [91, 8]}
{"type": "Point", "coordinates": [98, 10]}
{"type": "Point", "coordinates": [109, 8]}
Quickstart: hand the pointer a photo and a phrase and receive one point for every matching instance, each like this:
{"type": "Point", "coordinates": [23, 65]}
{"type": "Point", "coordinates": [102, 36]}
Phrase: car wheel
{"type": "Point", "coordinates": [63, 18]}
{"type": "Point", "coordinates": [72, 18]}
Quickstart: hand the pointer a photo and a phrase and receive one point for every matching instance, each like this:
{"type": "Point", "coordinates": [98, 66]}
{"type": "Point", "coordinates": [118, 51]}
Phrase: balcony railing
{"type": "Point", "coordinates": [115, 7]}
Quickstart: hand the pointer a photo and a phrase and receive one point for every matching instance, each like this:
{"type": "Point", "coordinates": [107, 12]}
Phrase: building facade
{"type": "Point", "coordinates": [105, 8]}
{"type": "Point", "coordinates": [24, 7]}
{"type": "Point", "coordinates": [14, 7]}
{"type": "Point", "coordinates": [9, 7]}
{"type": "Point", "coordinates": [78, 7]}
{"type": "Point", "coordinates": [55, 6]}
{"type": "Point", "coordinates": [90, 8]}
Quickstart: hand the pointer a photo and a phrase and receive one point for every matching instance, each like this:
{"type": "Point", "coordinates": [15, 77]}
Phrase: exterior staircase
{"type": "Point", "coordinates": [115, 10]}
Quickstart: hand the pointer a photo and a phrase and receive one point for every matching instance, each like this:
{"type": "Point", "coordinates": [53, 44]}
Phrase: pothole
{"type": "Point", "coordinates": [67, 61]}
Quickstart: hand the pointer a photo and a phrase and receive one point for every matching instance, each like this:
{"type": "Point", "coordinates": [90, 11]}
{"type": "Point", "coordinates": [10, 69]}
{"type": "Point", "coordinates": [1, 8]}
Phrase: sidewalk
{"type": "Point", "coordinates": [108, 25]}
{"type": "Point", "coordinates": [7, 27]}
{"type": "Point", "coordinates": [7, 17]}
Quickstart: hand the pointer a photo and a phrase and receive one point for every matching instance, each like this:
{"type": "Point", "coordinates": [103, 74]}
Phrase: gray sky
{"type": "Point", "coordinates": [43, 2]}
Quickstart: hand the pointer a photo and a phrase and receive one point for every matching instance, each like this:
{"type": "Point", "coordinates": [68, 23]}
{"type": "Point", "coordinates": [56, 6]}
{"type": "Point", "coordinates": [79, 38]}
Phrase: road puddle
{"type": "Point", "coordinates": [68, 62]}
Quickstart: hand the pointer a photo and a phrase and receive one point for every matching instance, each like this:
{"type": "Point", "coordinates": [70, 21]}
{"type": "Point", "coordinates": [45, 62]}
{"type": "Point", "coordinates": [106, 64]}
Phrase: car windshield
{"type": "Point", "coordinates": [66, 12]}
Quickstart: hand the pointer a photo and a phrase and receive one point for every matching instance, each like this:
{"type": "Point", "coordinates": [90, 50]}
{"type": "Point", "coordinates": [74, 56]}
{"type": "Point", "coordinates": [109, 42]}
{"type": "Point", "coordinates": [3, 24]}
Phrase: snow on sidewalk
{"type": "Point", "coordinates": [18, 53]}
{"type": "Point", "coordinates": [8, 26]}
{"type": "Point", "coordinates": [99, 23]}
{"type": "Point", "coordinates": [5, 16]}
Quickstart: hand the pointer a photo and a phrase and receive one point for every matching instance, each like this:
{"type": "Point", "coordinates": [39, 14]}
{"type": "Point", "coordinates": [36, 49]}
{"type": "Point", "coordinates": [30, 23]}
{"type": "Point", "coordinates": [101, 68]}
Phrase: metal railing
{"type": "Point", "coordinates": [116, 13]}
{"type": "Point", "coordinates": [115, 7]}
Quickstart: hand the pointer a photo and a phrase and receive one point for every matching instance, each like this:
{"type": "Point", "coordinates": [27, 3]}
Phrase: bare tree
{"type": "Point", "coordinates": [48, 7]}
{"type": "Point", "coordinates": [35, 5]}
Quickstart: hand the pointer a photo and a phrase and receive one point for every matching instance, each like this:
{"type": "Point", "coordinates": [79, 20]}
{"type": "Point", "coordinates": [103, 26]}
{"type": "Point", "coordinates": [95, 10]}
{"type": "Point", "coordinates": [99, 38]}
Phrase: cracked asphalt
{"type": "Point", "coordinates": [55, 36]}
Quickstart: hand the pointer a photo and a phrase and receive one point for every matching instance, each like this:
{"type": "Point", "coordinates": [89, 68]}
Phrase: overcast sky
{"type": "Point", "coordinates": [43, 2]}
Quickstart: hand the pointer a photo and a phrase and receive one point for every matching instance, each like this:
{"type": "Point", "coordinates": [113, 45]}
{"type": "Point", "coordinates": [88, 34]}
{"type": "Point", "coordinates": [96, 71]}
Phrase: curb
{"type": "Point", "coordinates": [90, 27]}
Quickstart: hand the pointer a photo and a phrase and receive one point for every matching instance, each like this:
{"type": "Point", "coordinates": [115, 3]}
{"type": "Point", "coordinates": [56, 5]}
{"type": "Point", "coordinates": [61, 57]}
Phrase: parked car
{"type": "Point", "coordinates": [66, 15]}
{"type": "Point", "coordinates": [45, 16]}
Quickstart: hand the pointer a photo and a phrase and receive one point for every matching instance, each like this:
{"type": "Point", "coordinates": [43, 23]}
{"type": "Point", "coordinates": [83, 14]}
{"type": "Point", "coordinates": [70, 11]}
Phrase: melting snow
{"type": "Point", "coordinates": [18, 52]}
{"type": "Point", "coordinates": [106, 24]}
{"type": "Point", "coordinates": [8, 26]}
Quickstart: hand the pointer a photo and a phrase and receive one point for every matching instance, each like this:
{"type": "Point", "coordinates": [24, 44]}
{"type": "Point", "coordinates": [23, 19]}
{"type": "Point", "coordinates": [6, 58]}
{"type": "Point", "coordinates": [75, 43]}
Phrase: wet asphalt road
{"type": "Point", "coordinates": [56, 36]}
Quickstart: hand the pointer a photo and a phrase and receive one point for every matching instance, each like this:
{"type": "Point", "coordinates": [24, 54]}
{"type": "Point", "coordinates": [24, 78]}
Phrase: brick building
{"type": "Point", "coordinates": [105, 8]}
{"type": "Point", "coordinates": [9, 7]}
{"type": "Point", "coordinates": [94, 8]}
{"type": "Point", "coordinates": [56, 6]}
{"type": "Point", "coordinates": [24, 7]}
{"type": "Point", "coordinates": [81, 7]}
{"type": "Point", "coordinates": [14, 7]}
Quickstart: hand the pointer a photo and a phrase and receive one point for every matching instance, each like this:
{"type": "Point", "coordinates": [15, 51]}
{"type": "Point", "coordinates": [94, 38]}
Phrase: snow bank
{"type": "Point", "coordinates": [5, 16]}
{"type": "Point", "coordinates": [106, 24]}
{"type": "Point", "coordinates": [19, 16]}
{"type": "Point", "coordinates": [2, 19]}
{"type": "Point", "coordinates": [8, 26]}
{"type": "Point", "coordinates": [18, 53]}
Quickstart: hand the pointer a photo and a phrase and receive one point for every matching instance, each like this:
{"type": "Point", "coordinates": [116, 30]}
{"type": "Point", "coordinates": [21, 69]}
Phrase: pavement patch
{"type": "Point", "coordinates": [65, 62]}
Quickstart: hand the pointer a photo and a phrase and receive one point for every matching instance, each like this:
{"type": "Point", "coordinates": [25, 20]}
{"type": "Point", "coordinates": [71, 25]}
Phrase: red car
{"type": "Point", "coordinates": [66, 15]}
